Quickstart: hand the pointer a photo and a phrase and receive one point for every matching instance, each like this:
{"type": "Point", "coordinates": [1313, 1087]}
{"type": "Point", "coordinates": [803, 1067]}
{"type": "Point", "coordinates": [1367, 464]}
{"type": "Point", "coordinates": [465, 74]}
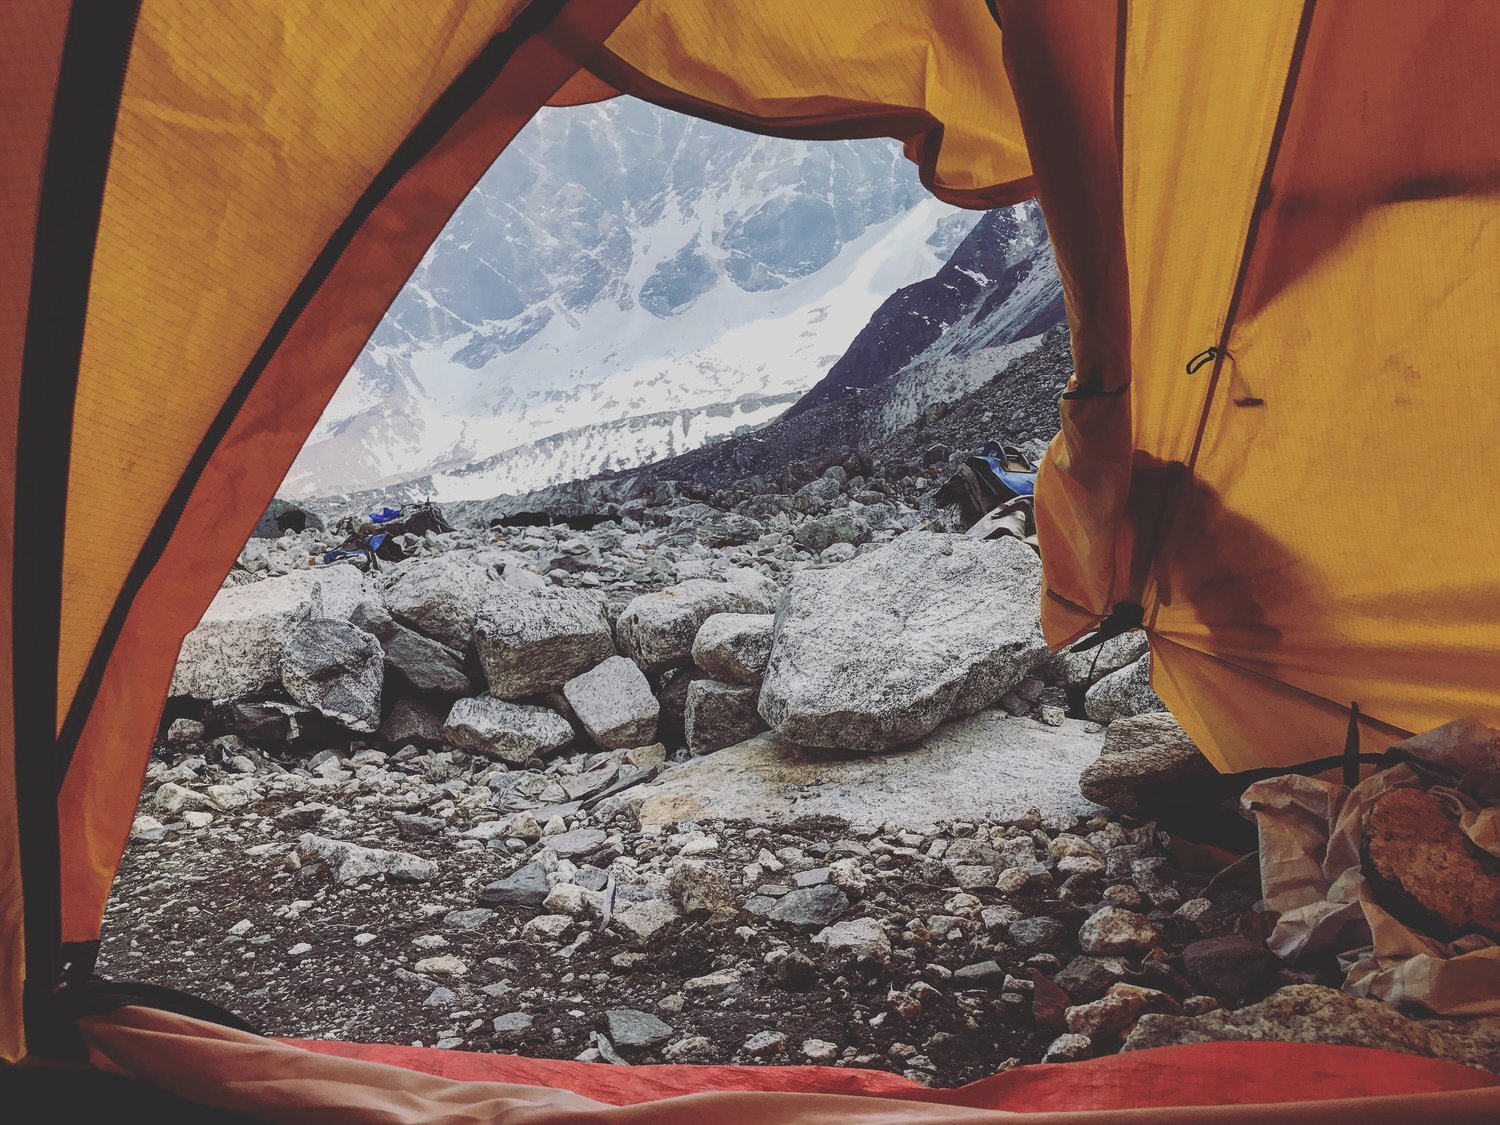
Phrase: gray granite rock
{"type": "Point", "coordinates": [877, 652]}
{"type": "Point", "coordinates": [511, 732]}
{"type": "Point", "coordinates": [530, 642]}
{"type": "Point", "coordinates": [810, 906]}
{"type": "Point", "coordinates": [414, 722]}
{"type": "Point", "coordinates": [526, 886]}
{"type": "Point", "coordinates": [440, 597]}
{"type": "Point", "coordinates": [614, 703]}
{"type": "Point", "coordinates": [1123, 693]}
{"type": "Point", "coordinates": [336, 669]}
{"type": "Point", "coordinates": [237, 646]}
{"type": "Point", "coordinates": [1140, 749]}
{"type": "Point", "coordinates": [734, 647]}
{"type": "Point", "coordinates": [659, 629]}
{"type": "Point", "coordinates": [632, 1030]}
{"type": "Point", "coordinates": [720, 715]}
{"type": "Point", "coordinates": [1115, 931]}
{"type": "Point", "coordinates": [1308, 1013]}
{"type": "Point", "coordinates": [351, 863]}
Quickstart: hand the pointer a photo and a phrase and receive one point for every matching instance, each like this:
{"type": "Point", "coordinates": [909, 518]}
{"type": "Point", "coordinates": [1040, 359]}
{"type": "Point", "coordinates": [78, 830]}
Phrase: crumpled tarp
{"type": "Point", "coordinates": [1311, 875]}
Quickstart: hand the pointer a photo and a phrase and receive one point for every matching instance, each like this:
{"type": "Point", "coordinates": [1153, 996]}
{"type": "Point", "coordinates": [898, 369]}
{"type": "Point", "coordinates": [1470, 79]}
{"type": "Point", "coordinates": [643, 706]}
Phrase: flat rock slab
{"type": "Point", "coordinates": [986, 766]}
{"type": "Point", "coordinates": [1307, 1013]}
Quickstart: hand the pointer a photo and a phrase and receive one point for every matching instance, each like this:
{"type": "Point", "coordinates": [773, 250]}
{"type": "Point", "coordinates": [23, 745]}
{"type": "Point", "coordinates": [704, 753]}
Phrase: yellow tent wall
{"type": "Point", "coordinates": [1301, 519]}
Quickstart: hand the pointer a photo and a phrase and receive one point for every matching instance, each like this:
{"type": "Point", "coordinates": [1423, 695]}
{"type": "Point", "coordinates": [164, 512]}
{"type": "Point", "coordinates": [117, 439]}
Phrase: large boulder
{"type": "Point", "coordinates": [513, 732]}
{"type": "Point", "coordinates": [336, 669]}
{"type": "Point", "coordinates": [988, 767]}
{"type": "Point", "coordinates": [879, 651]}
{"type": "Point", "coordinates": [1140, 749]}
{"type": "Point", "coordinates": [236, 648]}
{"type": "Point", "coordinates": [659, 629]}
{"type": "Point", "coordinates": [441, 597]}
{"type": "Point", "coordinates": [530, 642]}
{"type": "Point", "coordinates": [428, 666]}
{"type": "Point", "coordinates": [614, 703]}
{"type": "Point", "coordinates": [735, 647]}
{"type": "Point", "coordinates": [720, 715]}
{"type": "Point", "coordinates": [1123, 693]}
{"type": "Point", "coordinates": [728, 529]}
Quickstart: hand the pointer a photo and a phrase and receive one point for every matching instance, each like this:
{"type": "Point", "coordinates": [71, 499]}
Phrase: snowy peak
{"type": "Point", "coordinates": [617, 262]}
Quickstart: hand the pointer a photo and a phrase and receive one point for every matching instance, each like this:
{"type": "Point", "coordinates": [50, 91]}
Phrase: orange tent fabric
{"type": "Point", "coordinates": [1207, 1082]}
{"type": "Point", "coordinates": [1282, 266]}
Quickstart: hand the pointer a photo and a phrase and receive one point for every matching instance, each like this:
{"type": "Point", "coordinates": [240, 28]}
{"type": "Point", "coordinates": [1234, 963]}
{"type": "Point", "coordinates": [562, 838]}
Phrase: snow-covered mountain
{"type": "Point", "coordinates": [624, 284]}
{"type": "Point", "coordinates": [972, 353]}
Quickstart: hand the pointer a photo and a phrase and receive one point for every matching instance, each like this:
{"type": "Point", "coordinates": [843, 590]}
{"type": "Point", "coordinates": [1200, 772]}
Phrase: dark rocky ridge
{"type": "Point", "coordinates": [987, 270]}
{"type": "Point", "coordinates": [1018, 403]}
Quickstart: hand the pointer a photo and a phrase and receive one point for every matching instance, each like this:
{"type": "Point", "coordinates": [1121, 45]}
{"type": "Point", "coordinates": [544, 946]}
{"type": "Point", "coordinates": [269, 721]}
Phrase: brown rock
{"type": "Point", "coordinates": [1049, 1003]}
{"type": "Point", "coordinates": [1425, 871]}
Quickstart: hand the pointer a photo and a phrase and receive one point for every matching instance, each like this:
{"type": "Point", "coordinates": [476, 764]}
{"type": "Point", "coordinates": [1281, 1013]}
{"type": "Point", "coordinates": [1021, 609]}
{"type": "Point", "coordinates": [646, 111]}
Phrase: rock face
{"type": "Point", "coordinates": [879, 651]}
{"type": "Point", "coordinates": [236, 647]}
{"type": "Point", "coordinates": [734, 647]}
{"type": "Point", "coordinates": [512, 732]}
{"type": "Point", "coordinates": [336, 669]}
{"type": "Point", "coordinates": [614, 703]}
{"type": "Point", "coordinates": [1140, 749]}
{"type": "Point", "coordinates": [1123, 693]}
{"type": "Point", "coordinates": [659, 629]}
{"type": "Point", "coordinates": [1308, 1013]}
{"type": "Point", "coordinates": [720, 715]}
{"type": "Point", "coordinates": [440, 597]}
{"type": "Point", "coordinates": [531, 642]}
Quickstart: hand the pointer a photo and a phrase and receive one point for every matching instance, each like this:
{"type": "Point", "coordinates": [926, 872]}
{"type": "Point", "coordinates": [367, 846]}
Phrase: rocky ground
{"type": "Point", "coordinates": [783, 775]}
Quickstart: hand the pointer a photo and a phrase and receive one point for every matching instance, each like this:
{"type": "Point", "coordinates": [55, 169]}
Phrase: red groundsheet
{"type": "Point", "coordinates": [1194, 1075]}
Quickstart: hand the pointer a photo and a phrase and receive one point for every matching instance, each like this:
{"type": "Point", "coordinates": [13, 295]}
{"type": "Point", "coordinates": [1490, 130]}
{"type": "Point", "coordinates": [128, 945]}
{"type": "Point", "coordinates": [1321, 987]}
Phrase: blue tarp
{"type": "Point", "coordinates": [346, 553]}
{"type": "Point", "coordinates": [1022, 484]}
{"type": "Point", "coordinates": [385, 515]}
